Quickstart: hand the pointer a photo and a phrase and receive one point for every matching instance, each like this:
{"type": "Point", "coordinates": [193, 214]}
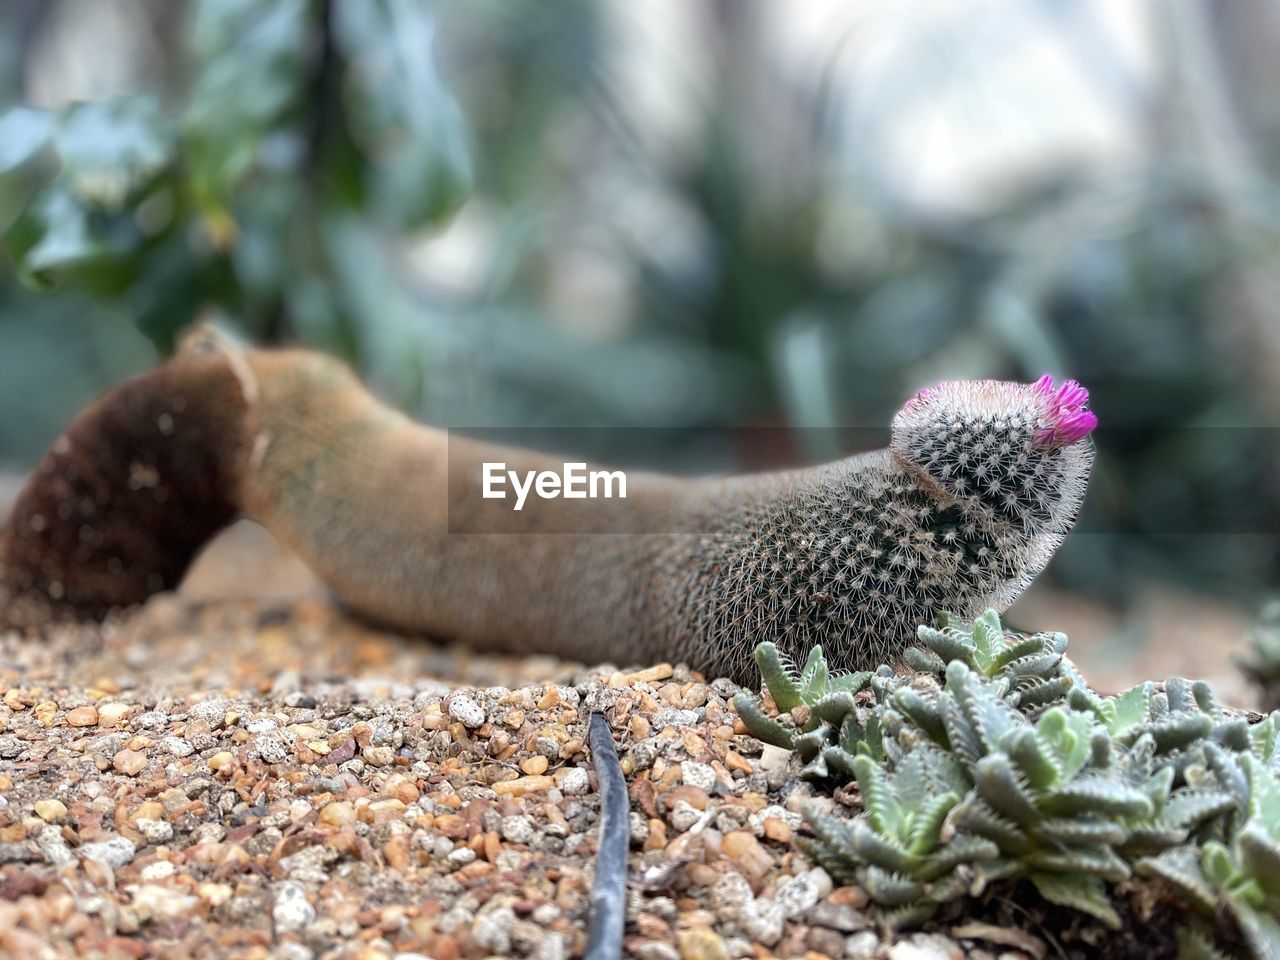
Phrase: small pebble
{"type": "Point", "coordinates": [50, 811]}
{"type": "Point", "coordinates": [701, 943]}
{"type": "Point", "coordinates": [291, 910]}
{"type": "Point", "coordinates": [517, 829]}
{"type": "Point", "coordinates": [156, 831]}
{"type": "Point", "coordinates": [115, 853]}
{"type": "Point", "coordinates": [82, 717]}
{"type": "Point", "coordinates": [466, 711]}
{"type": "Point", "coordinates": [575, 782]}
{"type": "Point", "coordinates": [534, 765]}
{"type": "Point", "coordinates": [129, 762]}
{"type": "Point", "coordinates": [864, 945]}
{"type": "Point", "coordinates": [176, 746]}
{"type": "Point", "coordinates": [112, 714]}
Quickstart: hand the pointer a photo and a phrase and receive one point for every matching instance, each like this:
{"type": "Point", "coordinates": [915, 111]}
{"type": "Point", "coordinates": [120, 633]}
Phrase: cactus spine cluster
{"type": "Point", "coordinates": [996, 761]}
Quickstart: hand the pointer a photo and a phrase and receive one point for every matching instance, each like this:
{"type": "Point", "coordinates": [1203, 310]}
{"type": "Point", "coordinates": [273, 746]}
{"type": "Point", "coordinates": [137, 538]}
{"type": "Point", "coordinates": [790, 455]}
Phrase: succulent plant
{"type": "Point", "coordinates": [1034, 666]}
{"type": "Point", "coordinates": [900, 851]}
{"type": "Point", "coordinates": [1262, 665]}
{"type": "Point", "coordinates": [1241, 874]}
{"type": "Point", "coordinates": [832, 732]}
{"type": "Point", "coordinates": [828, 729]}
{"type": "Point", "coordinates": [996, 760]}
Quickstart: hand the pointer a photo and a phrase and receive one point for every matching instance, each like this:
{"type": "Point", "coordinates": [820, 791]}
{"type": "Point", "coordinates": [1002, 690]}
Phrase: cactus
{"type": "Point", "coordinates": [996, 761]}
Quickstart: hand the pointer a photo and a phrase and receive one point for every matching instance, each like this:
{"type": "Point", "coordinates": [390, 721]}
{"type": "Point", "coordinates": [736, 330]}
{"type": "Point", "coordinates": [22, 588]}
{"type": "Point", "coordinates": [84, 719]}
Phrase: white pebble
{"type": "Point", "coordinates": [177, 746]}
{"type": "Point", "coordinates": [700, 775]}
{"type": "Point", "coordinates": [156, 831]}
{"type": "Point", "coordinates": [270, 748]}
{"type": "Point", "coordinates": [291, 910]}
{"type": "Point", "coordinates": [517, 829]}
{"type": "Point", "coordinates": [684, 815]}
{"type": "Point", "coordinates": [466, 711]}
{"type": "Point", "coordinates": [54, 848]}
{"type": "Point", "coordinates": [575, 782]}
{"type": "Point", "coordinates": [160, 870]}
{"type": "Point", "coordinates": [115, 853]}
{"type": "Point", "coordinates": [461, 857]}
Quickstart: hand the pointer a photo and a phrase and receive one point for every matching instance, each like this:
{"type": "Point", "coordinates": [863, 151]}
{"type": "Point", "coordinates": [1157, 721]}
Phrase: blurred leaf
{"type": "Point", "coordinates": [110, 150]}
{"type": "Point", "coordinates": [253, 61]}
{"type": "Point", "coordinates": [105, 155]}
{"type": "Point", "coordinates": [58, 227]}
{"type": "Point", "coordinates": [28, 159]}
{"type": "Point", "coordinates": [403, 119]}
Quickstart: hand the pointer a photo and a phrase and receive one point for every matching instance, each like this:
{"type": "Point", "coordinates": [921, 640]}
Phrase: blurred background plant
{"type": "Point", "coordinates": [701, 215]}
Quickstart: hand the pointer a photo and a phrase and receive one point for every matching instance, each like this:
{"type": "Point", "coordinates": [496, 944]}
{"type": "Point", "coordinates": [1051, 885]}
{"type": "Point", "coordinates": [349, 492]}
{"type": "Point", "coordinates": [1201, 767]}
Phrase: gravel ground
{"type": "Point", "coordinates": [250, 780]}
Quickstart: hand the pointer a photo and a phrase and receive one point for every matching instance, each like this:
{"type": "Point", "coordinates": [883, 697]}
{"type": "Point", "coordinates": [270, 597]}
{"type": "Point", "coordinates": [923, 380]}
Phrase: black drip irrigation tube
{"type": "Point", "coordinates": [609, 892]}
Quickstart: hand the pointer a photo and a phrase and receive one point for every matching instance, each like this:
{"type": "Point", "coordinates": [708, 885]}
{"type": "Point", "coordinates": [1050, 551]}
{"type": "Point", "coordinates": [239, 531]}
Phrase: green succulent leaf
{"type": "Point", "coordinates": [760, 724]}
{"type": "Point", "coordinates": [1180, 730]}
{"type": "Point", "coordinates": [1096, 795]}
{"type": "Point", "coordinates": [1084, 893]}
{"type": "Point", "coordinates": [988, 642]}
{"type": "Point", "coordinates": [782, 686]}
{"type": "Point", "coordinates": [1196, 943]}
{"type": "Point", "coordinates": [1126, 713]}
{"type": "Point", "coordinates": [1179, 867]}
{"type": "Point", "coordinates": [1261, 929]}
{"type": "Point", "coordinates": [1000, 786]}
{"type": "Point", "coordinates": [878, 798]}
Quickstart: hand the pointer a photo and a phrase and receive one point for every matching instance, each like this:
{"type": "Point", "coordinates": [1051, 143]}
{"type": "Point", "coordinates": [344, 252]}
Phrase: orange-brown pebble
{"type": "Point", "coordinates": [854, 897]}
{"type": "Point", "coordinates": [550, 698]}
{"type": "Point", "coordinates": [148, 810]}
{"type": "Point", "coordinates": [701, 943]}
{"type": "Point", "coordinates": [776, 828]}
{"type": "Point", "coordinates": [696, 797]}
{"type": "Point", "coordinates": [450, 825]}
{"type": "Point", "coordinates": [651, 675]}
{"type": "Point", "coordinates": [523, 785]}
{"type": "Point", "coordinates": [443, 948]}
{"type": "Point", "coordinates": [82, 717]}
{"type": "Point", "coordinates": [745, 850]}
{"type": "Point", "coordinates": [702, 874]}
{"type": "Point", "coordinates": [657, 839]}
{"type": "Point", "coordinates": [396, 852]}
{"type": "Point", "coordinates": [340, 813]}
{"type": "Point", "coordinates": [652, 926]}
{"type": "Point", "coordinates": [129, 762]}
{"type": "Point", "coordinates": [535, 765]}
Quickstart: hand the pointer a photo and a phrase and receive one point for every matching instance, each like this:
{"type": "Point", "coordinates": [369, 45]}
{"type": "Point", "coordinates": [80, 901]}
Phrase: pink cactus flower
{"type": "Point", "coordinates": [1069, 421]}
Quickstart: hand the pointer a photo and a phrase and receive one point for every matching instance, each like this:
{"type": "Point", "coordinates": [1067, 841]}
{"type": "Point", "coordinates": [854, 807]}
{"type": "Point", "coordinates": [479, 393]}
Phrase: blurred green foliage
{"type": "Point", "coordinates": [296, 162]}
{"type": "Point", "coordinates": [308, 127]}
